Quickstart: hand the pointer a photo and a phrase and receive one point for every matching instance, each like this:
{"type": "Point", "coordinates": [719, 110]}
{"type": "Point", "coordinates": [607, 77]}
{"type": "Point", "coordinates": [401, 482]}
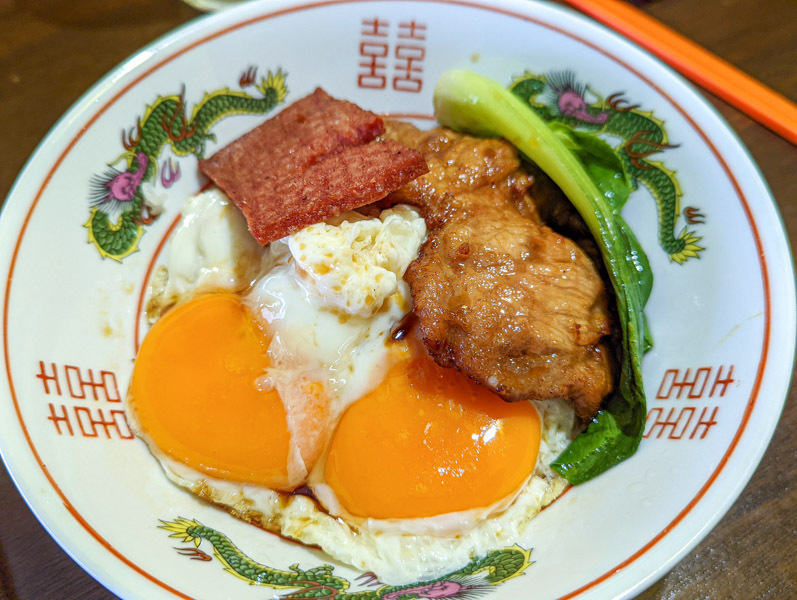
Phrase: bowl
{"type": "Point", "coordinates": [722, 312]}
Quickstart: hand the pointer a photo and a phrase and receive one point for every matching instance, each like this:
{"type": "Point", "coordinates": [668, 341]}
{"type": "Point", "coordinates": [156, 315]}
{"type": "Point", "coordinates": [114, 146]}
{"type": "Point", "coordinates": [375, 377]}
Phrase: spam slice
{"type": "Point", "coordinates": [312, 161]}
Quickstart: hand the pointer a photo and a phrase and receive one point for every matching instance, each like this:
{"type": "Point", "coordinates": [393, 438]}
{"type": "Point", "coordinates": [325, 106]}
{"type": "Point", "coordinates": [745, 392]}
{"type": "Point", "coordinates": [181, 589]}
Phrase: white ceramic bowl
{"type": "Point", "coordinates": [723, 318]}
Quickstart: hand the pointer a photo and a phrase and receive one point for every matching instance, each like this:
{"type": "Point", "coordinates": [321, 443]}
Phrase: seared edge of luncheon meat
{"type": "Point", "coordinates": [314, 160]}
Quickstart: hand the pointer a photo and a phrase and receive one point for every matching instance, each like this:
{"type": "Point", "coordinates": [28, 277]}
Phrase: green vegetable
{"type": "Point", "coordinates": [592, 177]}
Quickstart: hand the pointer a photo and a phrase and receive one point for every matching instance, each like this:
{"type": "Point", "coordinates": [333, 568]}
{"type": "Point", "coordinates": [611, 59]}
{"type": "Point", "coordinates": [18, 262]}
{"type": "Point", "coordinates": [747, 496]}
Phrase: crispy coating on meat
{"type": "Point", "coordinates": [500, 296]}
{"type": "Point", "coordinates": [454, 167]}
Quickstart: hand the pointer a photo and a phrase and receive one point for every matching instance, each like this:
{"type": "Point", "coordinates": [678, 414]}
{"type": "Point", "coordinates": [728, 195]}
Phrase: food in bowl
{"type": "Point", "coordinates": [288, 383]}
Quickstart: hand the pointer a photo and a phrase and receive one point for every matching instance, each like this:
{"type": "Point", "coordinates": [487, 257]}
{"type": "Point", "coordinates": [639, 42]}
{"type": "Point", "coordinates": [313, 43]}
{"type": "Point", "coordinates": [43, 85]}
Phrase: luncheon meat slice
{"type": "Point", "coordinates": [314, 160]}
{"type": "Point", "coordinates": [500, 296]}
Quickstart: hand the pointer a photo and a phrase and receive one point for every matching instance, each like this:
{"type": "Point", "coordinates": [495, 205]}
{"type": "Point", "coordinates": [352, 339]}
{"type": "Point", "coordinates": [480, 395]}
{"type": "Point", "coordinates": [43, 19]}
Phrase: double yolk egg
{"type": "Point", "coordinates": [425, 441]}
{"type": "Point", "coordinates": [278, 370]}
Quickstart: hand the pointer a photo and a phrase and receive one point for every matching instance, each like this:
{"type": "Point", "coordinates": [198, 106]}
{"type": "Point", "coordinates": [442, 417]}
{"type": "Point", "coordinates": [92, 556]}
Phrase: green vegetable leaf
{"type": "Point", "coordinates": [600, 162]}
{"type": "Point", "coordinates": [595, 445]}
{"type": "Point", "coordinates": [592, 177]}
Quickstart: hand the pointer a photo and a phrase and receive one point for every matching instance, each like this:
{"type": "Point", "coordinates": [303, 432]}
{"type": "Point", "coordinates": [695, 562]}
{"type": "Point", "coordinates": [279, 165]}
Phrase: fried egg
{"type": "Point", "coordinates": [273, 385]}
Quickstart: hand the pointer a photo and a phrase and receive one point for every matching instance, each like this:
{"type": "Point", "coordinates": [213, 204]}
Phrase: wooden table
{"type": "Point", "coordinates": [51, 51]}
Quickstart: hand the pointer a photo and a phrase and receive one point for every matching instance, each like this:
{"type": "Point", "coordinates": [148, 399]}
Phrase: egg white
{"type": "Point", "coordinates": [330, 296]}
{"type": "Point", "coordinates": [312, 343]}
{"type": "Point", "coordinates": [210, 251]}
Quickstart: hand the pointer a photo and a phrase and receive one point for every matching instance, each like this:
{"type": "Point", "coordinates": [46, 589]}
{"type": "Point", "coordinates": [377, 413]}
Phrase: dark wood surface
{"type": "Point", "coordinates": [52, 50]}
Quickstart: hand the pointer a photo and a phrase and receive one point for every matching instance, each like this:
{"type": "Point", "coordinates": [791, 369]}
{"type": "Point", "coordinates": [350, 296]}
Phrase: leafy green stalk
{"type": "Point", "coordinates": [592, 177]}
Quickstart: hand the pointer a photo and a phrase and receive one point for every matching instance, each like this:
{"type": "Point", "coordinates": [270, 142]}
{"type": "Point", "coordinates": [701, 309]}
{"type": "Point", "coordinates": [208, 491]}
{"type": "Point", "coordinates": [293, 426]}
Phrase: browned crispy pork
{"type": "Point", "coordinates": [500, 296]}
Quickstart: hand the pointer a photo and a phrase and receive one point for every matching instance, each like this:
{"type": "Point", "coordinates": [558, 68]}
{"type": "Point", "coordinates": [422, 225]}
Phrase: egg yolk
{"type": "Point", "coordinates": [429, 441]}
{"type": "Point", "coordinates": [195, 391]}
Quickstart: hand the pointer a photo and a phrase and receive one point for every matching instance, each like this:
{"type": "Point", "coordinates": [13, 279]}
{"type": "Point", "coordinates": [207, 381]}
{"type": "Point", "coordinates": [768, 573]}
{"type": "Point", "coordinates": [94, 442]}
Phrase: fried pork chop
{"type": "Point", "coordinates": [312, 161]}
{"type": "Point", "coordinates": [500, 296]}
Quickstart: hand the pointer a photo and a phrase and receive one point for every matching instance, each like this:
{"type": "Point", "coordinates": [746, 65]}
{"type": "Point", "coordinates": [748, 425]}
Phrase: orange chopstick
{"type": "Point", "coordinates": [752, 97]}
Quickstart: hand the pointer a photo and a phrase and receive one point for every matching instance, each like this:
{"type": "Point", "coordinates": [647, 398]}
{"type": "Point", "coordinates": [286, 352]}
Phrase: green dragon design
{"type": "Point", "coordinates": [559, 97]}
{"type": "Point", "coordinates": [473, 580]}
{"type": "Point", "coordinates": [119, 206]}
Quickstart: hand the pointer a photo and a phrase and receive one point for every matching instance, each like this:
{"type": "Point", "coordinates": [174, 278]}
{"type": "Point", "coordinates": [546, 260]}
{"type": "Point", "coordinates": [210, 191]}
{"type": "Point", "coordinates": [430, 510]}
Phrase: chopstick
{"type": "Point", "coordinates": [738, 89]}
